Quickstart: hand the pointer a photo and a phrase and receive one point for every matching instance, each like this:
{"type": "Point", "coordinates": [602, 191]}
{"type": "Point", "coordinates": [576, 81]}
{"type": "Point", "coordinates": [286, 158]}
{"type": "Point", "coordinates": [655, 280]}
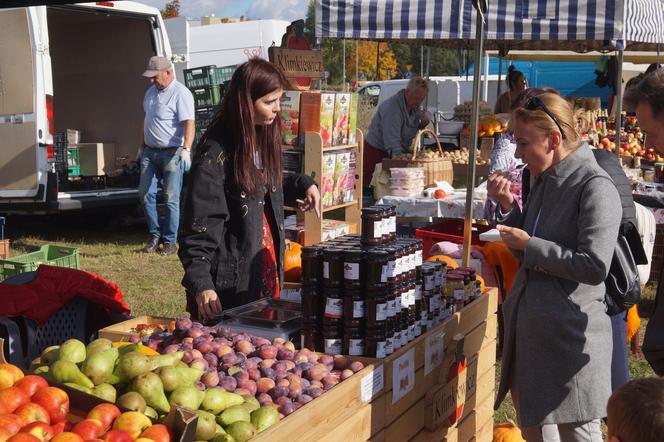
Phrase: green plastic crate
{"type": "Point", "coordinates": [207, 76]}
{"type": "Point", "coordinates": [47, 254]}
{"type": "Point", "coordinates": [73, 161]}
{"type": "Point", "coordinates": [74, 171]}
{"type": "Point", "coordinates": [206, 96]}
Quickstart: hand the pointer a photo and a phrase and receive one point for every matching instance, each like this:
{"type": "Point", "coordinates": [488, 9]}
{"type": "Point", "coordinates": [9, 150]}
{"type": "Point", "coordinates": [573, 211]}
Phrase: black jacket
{"type": "Point", "coordinates": [221, 233]}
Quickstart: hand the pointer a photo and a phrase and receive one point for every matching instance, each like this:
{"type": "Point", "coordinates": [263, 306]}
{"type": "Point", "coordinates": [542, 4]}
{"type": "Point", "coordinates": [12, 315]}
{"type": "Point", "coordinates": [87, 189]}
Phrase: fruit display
{"type": "Point", "coordinates": [489, 126]}
{"type": "Point", "coordinates": [463, 111]}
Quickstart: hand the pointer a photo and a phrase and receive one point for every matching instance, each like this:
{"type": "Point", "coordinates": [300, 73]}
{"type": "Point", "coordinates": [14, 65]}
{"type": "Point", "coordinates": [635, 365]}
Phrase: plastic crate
{"type": "Point", "coordinates": [449, 230]}
{"type": "Point", "coordinates": [47, 254]}
{"type": "Point", "coordinates": [207, 76]}
{"type": "Point", "coordinates": [225, 73]}
{"type": "Point", "coordinates": [206, 96]}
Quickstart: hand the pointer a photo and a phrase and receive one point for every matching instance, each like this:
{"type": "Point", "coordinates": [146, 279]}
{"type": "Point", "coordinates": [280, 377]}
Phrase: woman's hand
{"type": "Point", "coordinates": [499, 188]}
{"type": "Point", "coordinates": [311, 200]}
{"type": "Point", "coordinates": [514, 238]}
{"type": "Point", "coordinates": [209, 305]}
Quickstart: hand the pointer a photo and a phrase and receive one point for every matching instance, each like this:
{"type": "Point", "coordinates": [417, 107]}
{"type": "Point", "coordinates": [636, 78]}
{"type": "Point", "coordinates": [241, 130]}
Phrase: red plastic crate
{"type": "Point", "coordinates": [449, 230]}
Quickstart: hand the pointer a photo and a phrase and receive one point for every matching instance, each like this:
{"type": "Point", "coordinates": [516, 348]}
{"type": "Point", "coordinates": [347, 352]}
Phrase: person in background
{"type": "Point", "coordinates": [565, 235]}
{"type": "Point", "coordinates": [517, 83]}
{"type": "Point", "coordinates": [395, 124]}
{"type": "Point", "coordinates": [636, 412]}
{"type": "Point", "coordinates": [232, 240]}
{"type": "Point", "coordinates": [168, 133]}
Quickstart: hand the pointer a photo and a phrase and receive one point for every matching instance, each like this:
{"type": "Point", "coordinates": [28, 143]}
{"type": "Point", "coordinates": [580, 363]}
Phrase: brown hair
{"type": "Point", "coordinates": [650, 89]}
{"type": "Point", "coordinates": [513, 76]}
{"type": "Point", "coordinates": [560, 108]}
{"type": "Point", "coordinates": [636, 411]}
{"type": "Point", "coordinates": [527, 94]}
{"type": "Point", "coordinates": [235, 124]}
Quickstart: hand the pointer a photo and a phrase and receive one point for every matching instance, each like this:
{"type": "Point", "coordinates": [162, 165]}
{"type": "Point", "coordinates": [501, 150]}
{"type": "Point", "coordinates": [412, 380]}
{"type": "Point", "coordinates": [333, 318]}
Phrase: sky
{"type": "Point", "coordinates": [254, 9]}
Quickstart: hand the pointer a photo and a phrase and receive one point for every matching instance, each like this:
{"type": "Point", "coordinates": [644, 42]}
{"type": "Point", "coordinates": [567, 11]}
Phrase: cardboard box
{"type": "Point", "coordinates": [341, 169]}
{"type": "Point", "coordinates": [96, 158]}
{"type": "Point", "coordinates": [122, 331]}
{"type": "Point", "coordinates": [327, 180]}
{"type": "Point", "coordinates": [327, 118]}
{"type": "Point", "coordinates": [352, 171]}
{"type": "Point", "coordinates": [73, 136]}
{"type": "Point", "coordinates": [352, 118]}
{"type": "Point", "coordinates": [316, 115]}
{"type": "Point", "coordinates": [290, 117]}
{"type": "Point", "coordinates": [341, 117]}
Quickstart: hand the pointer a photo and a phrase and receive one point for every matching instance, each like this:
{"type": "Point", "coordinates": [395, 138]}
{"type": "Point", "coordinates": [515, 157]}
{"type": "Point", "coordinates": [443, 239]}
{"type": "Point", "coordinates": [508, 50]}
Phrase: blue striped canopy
{"type": "Point", "coordinates": [516, 24]}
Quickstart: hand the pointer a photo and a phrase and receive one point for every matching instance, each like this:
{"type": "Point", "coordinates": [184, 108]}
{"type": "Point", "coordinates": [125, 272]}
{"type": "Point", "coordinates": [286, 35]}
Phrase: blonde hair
{"type": "Point", "coordinates": [636, 411]}
{"type": "Point", "coordinates": [417, 84]}
{"type": "Point", "coordinates": [557, 106]}
{"type": "Point", "coordinates": [584, 121]}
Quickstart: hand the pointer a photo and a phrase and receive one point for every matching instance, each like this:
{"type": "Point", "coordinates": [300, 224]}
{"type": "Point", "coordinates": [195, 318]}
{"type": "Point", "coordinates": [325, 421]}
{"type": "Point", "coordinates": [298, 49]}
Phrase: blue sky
{"type": "Point", "coordinates": [254, 9]}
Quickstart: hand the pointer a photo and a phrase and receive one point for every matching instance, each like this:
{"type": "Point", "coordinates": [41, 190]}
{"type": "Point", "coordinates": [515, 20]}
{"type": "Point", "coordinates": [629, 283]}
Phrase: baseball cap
{"type": "Point", "coordinates": [157, 64]}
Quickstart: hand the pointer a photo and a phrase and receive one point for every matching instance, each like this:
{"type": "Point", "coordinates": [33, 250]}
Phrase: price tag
{"type": "Point", "coordinates": [433, 351]}
{"type": "Point", "coordinates": [403, 375]}
{"type": "Point", "coordinates": [371, 384]}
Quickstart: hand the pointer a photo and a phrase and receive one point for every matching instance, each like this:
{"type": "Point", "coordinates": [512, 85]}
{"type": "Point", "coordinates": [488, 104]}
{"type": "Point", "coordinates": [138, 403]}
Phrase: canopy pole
{"type": "Point", "coordinates": [357, 62]}
{"type": "Point", "coordinates": [482, 7]}
{"type": "Point", "coordinates": [500, 73]}
{"type": "Point", "coordinates": [343, 65]}
{"type": "Point", "coordinates": [619, 94]}
{"type": "Point", "coordinates": [428, 60]}
{"type": "Point", "coordinates": [485, 94]}
{"type": "Point", "coordinates": [422, 61]}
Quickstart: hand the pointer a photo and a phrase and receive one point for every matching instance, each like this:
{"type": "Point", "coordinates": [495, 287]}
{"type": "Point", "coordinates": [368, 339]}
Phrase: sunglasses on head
{"type": "Point", "coordinates": [536, 103]}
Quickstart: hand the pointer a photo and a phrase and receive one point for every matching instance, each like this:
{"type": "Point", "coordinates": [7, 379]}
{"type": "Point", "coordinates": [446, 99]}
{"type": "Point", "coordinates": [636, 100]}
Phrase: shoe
{"type": "Point", "coordinates": [152, 245]}
{"type": "Point", "coordinates": [169, 248]}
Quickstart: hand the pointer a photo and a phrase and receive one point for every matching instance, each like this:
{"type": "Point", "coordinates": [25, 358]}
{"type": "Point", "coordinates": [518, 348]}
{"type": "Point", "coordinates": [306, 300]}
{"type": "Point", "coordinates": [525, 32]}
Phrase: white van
{"type": "Point", "coordinates": [71, 66]}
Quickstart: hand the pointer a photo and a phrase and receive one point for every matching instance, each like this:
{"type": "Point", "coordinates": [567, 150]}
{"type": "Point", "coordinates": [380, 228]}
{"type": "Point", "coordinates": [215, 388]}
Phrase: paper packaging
{"type": "Point", "coordinates": [352, 118]}
{"type": "Point", "coordinates": [341, 169]}
{"type": "Point", "coordinates": [352, 171]}
{"type": "Point", "coordinates": [341, 117]}
{"type": "Point", "coordinates": [327, 192]}
{"type": "Point", "coordinates": [327, 118]}
{"type": "Point", "coordinates": [290, 117]}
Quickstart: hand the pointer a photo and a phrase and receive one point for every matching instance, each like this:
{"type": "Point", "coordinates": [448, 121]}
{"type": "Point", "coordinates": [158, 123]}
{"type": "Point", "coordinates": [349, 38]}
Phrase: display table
{"type": "Point", "coordinates": [420, 207]}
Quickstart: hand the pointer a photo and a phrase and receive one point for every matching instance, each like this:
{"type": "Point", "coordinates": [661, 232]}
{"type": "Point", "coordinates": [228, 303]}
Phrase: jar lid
{"type": "Point", "coordinates": [455, 277]}
{"type": "Point", "coordinates": [311, 251]}
{"type": "Point", "coordinates": [353, 254]}
{"type": "Point", "coordinates": [371, 210]}
{"type": "Point", "coordinates": [332, 253]}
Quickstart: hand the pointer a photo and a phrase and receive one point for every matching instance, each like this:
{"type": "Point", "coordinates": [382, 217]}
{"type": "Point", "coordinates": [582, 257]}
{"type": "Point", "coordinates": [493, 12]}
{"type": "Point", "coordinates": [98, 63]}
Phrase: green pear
{"type": "Point", "coordinates": [133, 364]}
{"type": "Point", "coordinates": [151, 413]}
{"type": "Point", "coordinates": [187, 397]}
{"type": "Point", "coordinates": [250, 403]}
{"type": "Point", "coordinates": [222, 437]}
{"type": "Point", "coordinates": [50, 354]}
{"type": "Point", "coordinates": [264, 417]}
{"type": "Point", "coordinates": [241, 431]}
{"type": "Point", "coordinates": [72, 350]}
{"type": "Point", "coordinates": [206, 426]}
{"type": "Point", "coordinates": [67, 371]}
{"type": "Point", "coordinates": [217, 400]}
{"type": "Point", "coordinates": [105, 391]}
{"type": "Point", "coordinates": [97, 345]}
{"type": "Point", "coordinates": [150, 387]}
{"type": "Point", "coordinates": [99, 366]}
{"type": "Point", "coordinates": [219, 429]}
{"type": "Point", "coordinates": [78, 387]}
{"type": "Point", "coordinates": [129, 348]}
{"type": "Point", "coordinates": [44, 369]}
{"type": "Point", "coordinates": [233, 414]}
{"type": "Point", "coordinates": [174, 377]}
{"type": "Point", "coordinates": [132, 401]}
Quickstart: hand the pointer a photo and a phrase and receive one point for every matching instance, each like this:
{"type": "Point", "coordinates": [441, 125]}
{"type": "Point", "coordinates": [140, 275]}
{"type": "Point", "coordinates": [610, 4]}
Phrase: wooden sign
{"type": "Point", "coordinates": [297, 63]}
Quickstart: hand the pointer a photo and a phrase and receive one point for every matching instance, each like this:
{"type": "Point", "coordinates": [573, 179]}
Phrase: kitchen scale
{"type": "Point", "coordinates": [269, 318]}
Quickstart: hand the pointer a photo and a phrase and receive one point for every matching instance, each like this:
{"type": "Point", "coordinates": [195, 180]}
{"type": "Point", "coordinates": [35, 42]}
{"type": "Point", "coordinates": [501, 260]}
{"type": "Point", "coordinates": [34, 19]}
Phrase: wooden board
{"type": "Point", "coordinates": [298, 62]}
{"type": "Point", "coordinates": [122, 330]}
{"type": "Point", "coordinates": [359, 425]}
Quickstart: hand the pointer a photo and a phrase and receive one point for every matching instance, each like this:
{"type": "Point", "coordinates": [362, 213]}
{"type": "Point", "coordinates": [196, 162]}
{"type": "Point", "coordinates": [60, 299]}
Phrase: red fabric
{"type": "Point", "coordinates": [371, 157]}
{"type": "Point", "coordinates": [270, 273]}
{"type": "Point", "coordinates": [53, 287]}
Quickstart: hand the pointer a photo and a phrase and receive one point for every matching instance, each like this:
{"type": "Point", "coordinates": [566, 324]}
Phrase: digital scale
{"type": "Point", "coordinates": [267, 317]}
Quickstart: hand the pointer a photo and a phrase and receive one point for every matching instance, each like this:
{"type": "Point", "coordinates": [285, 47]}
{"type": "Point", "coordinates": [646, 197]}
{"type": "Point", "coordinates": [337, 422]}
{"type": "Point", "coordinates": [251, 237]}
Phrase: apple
{"type": "Point", "coordinates": [60, 427]}
{"type": "Point", "coordinates": [11, 422]}
{"type": "Point", "coordinates": [67, 436]}
{"type": "Point", "coordinates": [143, 439]}
{"type": "Point", "coordinates": [54, 400]}
{"type": "Point", "coordinates": [23, 437]}
{"type": "Point", "coordinates": [88, 429]}
{"type": "Point", "coordinates": [12, 398]}
{"type": "Point", "coordinates": [31, 383]}
{"type": "Point", "coordinates": [9, 375]}
{"type": "Point", "coordinates": [104, 413]}
{"type": "Point", "coordinates": [133, 423]}
{"type": "Point", "coordinates": [32, 412]}
{"type": "Point", "coordinates": [158, 433]}
{"type": "Point", "coordinates": [4, 434]}
{"type": "Point", "coordinates": [40, 430]}
{"type": "Point", "coordinates": [117, 436]}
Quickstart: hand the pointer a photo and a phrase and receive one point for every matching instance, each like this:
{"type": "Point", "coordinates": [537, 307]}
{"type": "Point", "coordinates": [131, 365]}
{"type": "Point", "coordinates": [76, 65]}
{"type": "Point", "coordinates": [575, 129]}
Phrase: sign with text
{"type": "Point", "coordinates": [297, 63]}
{"type": "Point", "coordinates": [403, 375]}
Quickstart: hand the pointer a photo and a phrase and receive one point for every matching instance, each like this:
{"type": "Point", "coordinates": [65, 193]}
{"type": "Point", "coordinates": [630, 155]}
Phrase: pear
{"type": "Point", "coordinates": [133, 364]}
{"type": "Point", "coordinates": [63, 371]}
{"type": "Point", "coordinates": [150, 387]}
{"type": "Point", "coordinates": [264, 417]}
{"type": "Point", "coordinates": [250, 403]}
{"type": "Point", "coordinates": [222, 437]}
{"type": "Point", "coordinates": [151, 413]}
{"type": "Point", "coordinates": [241, 431]}
{"type": "Point", "coordinates": [97, 345]}
{"type": "Point", "coordinates": [99, 366]}
{"type": "Point", "coordinates": [217, 400]}
{"type": "Point", "coordinates": [105, 391]}
{"type": "Point", "coordinates": [78, 387]}
{"type": "Point", "coordinates": [129, 348]}
{"type": "Point", "coordinates": [175, 377]}
{"type": "Point", "coordinates": [233, 414]}
{"type": "Point", "coordinates": [72, 350]}
{"type": "Point", "coordinates": [132, 401]}
{"type": "Point", "coordinates": [187, 397]}
{"type": "Point", "coordinates": [50, 354]}
{"type": "Point", "coordinates": [206, 426]}
{"type": "Point", "coordinates": [44, 369]}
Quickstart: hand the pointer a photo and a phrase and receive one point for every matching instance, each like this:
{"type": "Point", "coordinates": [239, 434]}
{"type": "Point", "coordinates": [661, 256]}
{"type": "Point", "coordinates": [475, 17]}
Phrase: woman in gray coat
{"type": "Point", "coordinates": [557, 353]}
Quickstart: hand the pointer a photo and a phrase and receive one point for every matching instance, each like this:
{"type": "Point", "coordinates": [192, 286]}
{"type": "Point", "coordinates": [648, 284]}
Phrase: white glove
{"type": "Point", "coordinates": [185, 159]}
{"type": "Point", "coordinates": [139, 154]}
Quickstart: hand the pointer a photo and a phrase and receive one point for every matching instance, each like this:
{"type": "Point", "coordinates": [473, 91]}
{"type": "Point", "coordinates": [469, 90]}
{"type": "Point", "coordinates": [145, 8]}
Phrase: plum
{"type": "Point", "coordinates": [259, 341]}
{"type": "Point", "coordinates": [241, 391]}
{"type": "Point", "coordinates": [281, 365]}
{"type": "Point", "coordinates": [300, 358]}
{"type": "Point", "coordinates": [327, 360]}
{"type": "Point", "coordinates": [305, 383]}
{"type": "Point", "coordinates": [200, 385]}
{"type": "Point", "coordinates": [263, 385]}
{"type": "Point", "coordinates": [153, 344]}
{"type": "Point", "coordinates": [254, 374]}
{"type": "Point", "coordinates": [212, 360]}
{"type": "Point", "coordinates": [244, 346]}
{"type": "Point", "coordinates": [280, 374]}
{"type": "Point", "coordinates": [194, 332]}
{"type": "Point", "coordinates": [287, 408]}
{"type": "Point", "coordinates": [305, 365]}
{"type": "Point", "coordinates": [304, 399]}
{"type": "Point", "coordinates": [171, 348]}
{"type": "Point", "coordinates": [315, 392]}
{"type": "Point", "coordinates": [241, 375]}
{"type": "Point", "coordinates": [267, 352]}
{"type": "Point", "coordinates": [187, 346]}
{"type": "Point", "coordinates": [294, 390]}
{"type": "Point", "coordinates": [205, 347]}
{"type": "Point", "coordinates": [187, 357]}
{"type": "Point", "coordinates": [278, 340]}
{"type": "Point", "coordinates": [196, 353]}
{"type": "Point", "coordinates": [336, 374]}
{"type": "Point", "coordinates": [290, 365]}
{"type": "Point", "coordinates": [346, 374]}
{"type": "Point", "coordinates": [250, 364]}
{"type": "Point", "coordinates": [230, 358]}
{"type": "Point", "coordinates": [282, 400]}
{"type": "Point", "coordinates": [187, 340]}
{"type": "Point", "coordinates": [228, 383]}
{"type": "Point", "coordinates": [356, 366]}
{"type": "Point", "coordinates": [285, 355]}
{"type": "Point", "coordinates": [223, 349]}
{"type": "Point", "coordinates": [264, 399]}
{"type": "Point", "coordinates": [341, 362]}
{"type": "Point", "coordinates": [248, 385]}
{"type": "Point", "coordinates": [289, 346]}
{"type": "Point", "coordinates": [266, 363]}
{"type": "Point", "coordinates": [183, 324]}
{"type": "Point", "coordinates": [210, 379]}
{"type": "Point", "coordinates": [314, 374]}
{"type": "Point", "coordinates": [199, 363]}
{"type": "Point", "coordinates": [316, 384]}
{"type": "Point", "coordinates": [278, 392]}
{"type": "Point", "coordinates": [268, 373]}
{"type": "Point", "coordinates": [297, 371]}
{"type": "Point", "coordinates": [283, 383]}
{"type": "Point", "coordinates": [241, 358]}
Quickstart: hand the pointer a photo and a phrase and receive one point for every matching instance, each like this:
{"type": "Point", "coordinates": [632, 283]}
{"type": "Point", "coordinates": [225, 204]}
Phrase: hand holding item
{"type": "Point", "coordinates": [514, 238]}
{"type": "Point", "coordinates": [185, 159]}
{"type": "Point", "coordinates": [311, 200]}
{"type": "Point", "coordinates": [499, 187]}
{"type": "Point", "coordinates": [208, 304]}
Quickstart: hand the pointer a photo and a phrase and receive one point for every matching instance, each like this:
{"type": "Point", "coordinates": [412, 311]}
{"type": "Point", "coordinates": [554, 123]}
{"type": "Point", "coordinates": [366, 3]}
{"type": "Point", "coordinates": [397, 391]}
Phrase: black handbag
{"type": "Point", "coordinates": [623, 285]}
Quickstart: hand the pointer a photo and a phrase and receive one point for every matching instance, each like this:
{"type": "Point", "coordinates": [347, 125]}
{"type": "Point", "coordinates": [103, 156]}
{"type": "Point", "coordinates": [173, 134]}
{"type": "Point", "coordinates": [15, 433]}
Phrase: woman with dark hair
{"type": "Point", "coordinates": [232, 239]}
{"type": "Point", "coordinates": [517, 83]}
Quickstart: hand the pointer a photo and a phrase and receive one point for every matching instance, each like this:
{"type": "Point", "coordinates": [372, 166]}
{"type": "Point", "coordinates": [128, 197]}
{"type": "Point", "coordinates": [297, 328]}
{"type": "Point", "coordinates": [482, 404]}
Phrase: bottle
{"type": "Point", "coordinates": [332, 340]}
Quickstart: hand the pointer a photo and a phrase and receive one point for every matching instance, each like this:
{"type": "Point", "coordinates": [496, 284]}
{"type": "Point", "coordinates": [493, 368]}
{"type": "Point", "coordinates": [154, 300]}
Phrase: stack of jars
{"type": "Point", "coordinates": [463, 287]}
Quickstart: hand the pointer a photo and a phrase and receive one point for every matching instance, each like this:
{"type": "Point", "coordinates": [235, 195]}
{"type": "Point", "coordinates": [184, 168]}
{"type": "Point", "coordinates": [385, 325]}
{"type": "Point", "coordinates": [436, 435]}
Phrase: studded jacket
{"type": "Point", "coordinates": [220, 238]}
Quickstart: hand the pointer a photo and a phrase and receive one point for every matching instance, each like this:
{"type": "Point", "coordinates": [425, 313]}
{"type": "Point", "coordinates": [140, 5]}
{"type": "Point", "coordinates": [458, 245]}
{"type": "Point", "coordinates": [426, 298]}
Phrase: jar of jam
{"type": "Point", "coordinates": [310, 336]}
{"type": "Point", "coordinates": [312, 268]}
{"type": "Point", "coordinates": [355, 308]}
{"type": "Point", "coordinates": [385, 223]}
{"type": "Point", "coordinates": [405, 328]}
{"type": "Point", "coordinates": [354, 342]}
{"type": "Point", "coordinates": [376, 263]}
{"type": "Point", "coordinates": [393, 297]}
{"type": "Point", "coordinates": [412, 333]}
{"type": "Point", "coordinates": [428, 276]}
{"type": "Point", "coordinates": [396, 337]}
{"type": "Point", "coordinates": [418, 253]}
{"type": "Point", "coordinates": [478, 290]}
{"type": "Point", "coordinates": [389, 337]}
{"type": "Point", "coordinates": [310, 301]}
{"type": "Point", "coordinates": [454, 289]}
{"type": "Point", "coordinates": [333, 267]}
{"type": "Point", "coordinates": [353, 268]}
{"type": "Point", "coordinates": [375, 342]}
{"type": "Point", "coordinates": [376, 308]}
{"type": "Point", "coordinates": [372, 226]}
{"type": "Point", "coordinates": [334, 305]}
{"type": "Point", "coordinates": [391, 261]}
{"type": "Point", "coordinates": [332, 340]}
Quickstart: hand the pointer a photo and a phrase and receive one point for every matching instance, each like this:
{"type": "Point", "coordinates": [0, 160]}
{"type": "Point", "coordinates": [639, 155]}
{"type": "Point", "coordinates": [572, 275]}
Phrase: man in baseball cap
{"type": "Point", "coordinates": [156, 65]}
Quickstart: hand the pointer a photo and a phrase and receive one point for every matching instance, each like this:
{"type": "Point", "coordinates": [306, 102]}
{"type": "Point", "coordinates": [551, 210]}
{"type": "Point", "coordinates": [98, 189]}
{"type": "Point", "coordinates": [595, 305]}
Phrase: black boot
{"type": "Point", "coordinates": [152, 245]}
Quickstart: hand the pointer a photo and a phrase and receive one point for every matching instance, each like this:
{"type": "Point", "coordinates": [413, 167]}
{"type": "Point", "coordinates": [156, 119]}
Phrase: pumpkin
{"type": "Point", "coordinates": [507, 432]}
{"type": "Point", "coordinates": [143, 349]}
{"type": "Point", "coordinates": [292, 262]}
{"type": "Point", "coordinates": [451, 263]}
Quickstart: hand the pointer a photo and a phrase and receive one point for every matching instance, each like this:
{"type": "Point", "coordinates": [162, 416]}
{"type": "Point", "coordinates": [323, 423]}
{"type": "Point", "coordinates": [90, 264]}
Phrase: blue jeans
{"type": "Point", "coordinates": [619, 367]}
{"type": "Point", "coordinates": [164, 165]}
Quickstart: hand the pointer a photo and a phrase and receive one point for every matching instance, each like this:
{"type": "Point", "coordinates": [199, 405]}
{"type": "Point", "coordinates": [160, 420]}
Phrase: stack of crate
{"type": "Point", "coordinates": [207, 84]}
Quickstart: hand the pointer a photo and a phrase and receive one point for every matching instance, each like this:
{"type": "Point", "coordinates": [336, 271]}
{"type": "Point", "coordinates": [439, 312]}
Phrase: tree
{"type": "Point", "coordinates": [368, 60]}
{"type": "Point", "coordinates": [171, 9]}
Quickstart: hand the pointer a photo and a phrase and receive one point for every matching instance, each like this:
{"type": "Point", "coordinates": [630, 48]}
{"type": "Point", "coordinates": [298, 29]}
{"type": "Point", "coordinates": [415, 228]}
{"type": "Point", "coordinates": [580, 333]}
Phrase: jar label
{"type": "Point", "coordinates": [411, 262]}
{"type": "Point", "coordinates": [381, 312]}
{"type": "Point", "coordinates": [334, 308]}
{"type": "Point", "coordinates": [413, 297]}
{"type": "Point", "coordinates": [389, 346]}
{"type": "Point", "coordinates": [418, 329]}
{"type": "Point", "coordinates": [391, 269]}
{"type": "Point", "coordinates": [418, 257]}
{"type": "Point", "coordinates": [333, 346]}
{"type": "Point", "coordinates": [423, 317]}
{"type": "Point", "coordinates": [359, 309]}
{"type": "Point", "coordinates": [439, 278]}
{"type": "Point", "coordinates": [393, 224]}
{"type": "Point", "coordinates": [383, 273]}
{"type": "Point", "coordinates": [405, 337]}
{"type": "Point", "coordinates": [352, 271]}
{"type": "Point", "coordinates": [412, 332]}
{"type": "Point", "coordinates": [418, 292]}
{"type": "Point", "coordinates": [378, 229]}
{"type": "Point", "coordinates": [405, 299]}
{"type": "Point", "coordinates": [429, 282]}
{"type": "Point", "coordinates": [356, 347]}
{"type": "Point", "coordinates": [459, 294]}
{"type": "Point", "coordinates": [396, 341]}
{"type": "Point", "coordinates": [380, 349]}
{"type": "Point", "coordinates": [326, 270]}
{"type": "Point", "coordinates": [391, 308]}
{"type": "Point", "coordinates": [385, 227]}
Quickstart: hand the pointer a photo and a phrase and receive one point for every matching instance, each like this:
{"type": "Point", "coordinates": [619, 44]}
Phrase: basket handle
{"type": "Point", "coordinates": [416, 144]}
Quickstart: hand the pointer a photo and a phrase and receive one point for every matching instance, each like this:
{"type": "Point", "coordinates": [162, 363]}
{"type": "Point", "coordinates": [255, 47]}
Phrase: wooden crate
{"type": "Point", "coordinates": [4, 249]}
{"type": "Point", "coordinates": [122, 330]}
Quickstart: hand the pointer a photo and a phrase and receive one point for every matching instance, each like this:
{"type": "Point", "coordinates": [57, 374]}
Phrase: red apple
{"type": "Point", "coordinates": [67, 436]}
{"type": "Point", "coordinates": [54, 400]}
{"type": "Point", "coordinates": [23, 437]}
{"type": "Point", "coordinates": [88, 429]}
{"type": "Point", "coordinates": [31, 383]}
{"type": "Point", "coordinates": [32, 412]}
{"type": "Point", "coordinates": [9, 375]}
{"type": "Point", "coordinates": [11, 422]}
{"type": "Point", "coordinates": [117, 436]}
{"type": "Point", "coordinates": [60, 427]}
{"type": "Point", "coordinates": [158, 433]}
{"type": "Point", "coordinates": [105, 413]}
{"type": "Point", "coordinates": [4, 434]}
{"type": "Point", "coordinates": [13, 397]}
{"type": "Point", "coordinates": [133, 423]}
{"type": "Point", "coordinates": [40, 430]}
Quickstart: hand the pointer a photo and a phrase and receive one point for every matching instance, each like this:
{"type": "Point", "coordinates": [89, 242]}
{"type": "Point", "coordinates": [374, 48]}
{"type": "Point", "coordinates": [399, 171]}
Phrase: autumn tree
{"type": "Point", "coordinates": [371, 55]}
{"type": "Point", "coordinates": [171, 9]}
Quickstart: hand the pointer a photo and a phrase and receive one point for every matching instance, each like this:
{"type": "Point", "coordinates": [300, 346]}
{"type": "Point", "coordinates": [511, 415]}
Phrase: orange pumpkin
{"type": "Point", "coordinates": [507, 432]}
{"type": "Point", "coordinates": [292, 262]}
{"type": "Point", "coordinates": [451, 263]}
